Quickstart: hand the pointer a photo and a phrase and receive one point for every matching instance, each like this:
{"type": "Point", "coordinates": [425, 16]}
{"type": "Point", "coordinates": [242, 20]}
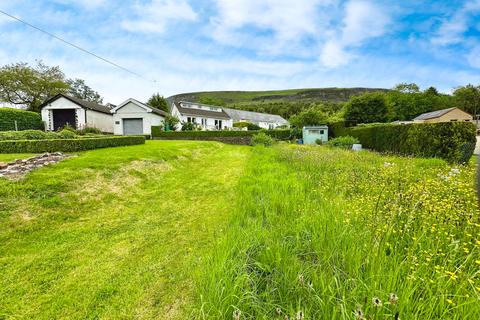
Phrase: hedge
{"type": "Point", "coordinates": [452, 141]}
{"type": "Point", "coordinates": [157, 132]}
{"type": "Point", "coordinates": [26, 120]}
{"type": "Point", "coordinates": [67, 145]}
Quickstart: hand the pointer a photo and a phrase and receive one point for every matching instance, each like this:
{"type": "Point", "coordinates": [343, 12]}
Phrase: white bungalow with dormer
{"type": "Point", "coordinates": [205, 116]}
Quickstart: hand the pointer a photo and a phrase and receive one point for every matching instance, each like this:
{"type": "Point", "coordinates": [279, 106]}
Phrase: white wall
{"type": "Point", "coordinates": [62, 103]}
{"type": "Point", "coordinates": [100, 121]}
{"type": "Point", "coordinates": [133, 111]}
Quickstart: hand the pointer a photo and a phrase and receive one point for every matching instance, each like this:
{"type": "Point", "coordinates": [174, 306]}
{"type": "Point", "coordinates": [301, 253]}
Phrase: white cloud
{"type": "Point", "coordinates": [154, 16]}
{"type": "Point", "coordinates": [473, 57]}
{"type": "Point", "coordinates": [287, 20]}
{"type": "Point", "coordinates": [363, 20]}
{"type": "Point", "coordinates": [452, 30]}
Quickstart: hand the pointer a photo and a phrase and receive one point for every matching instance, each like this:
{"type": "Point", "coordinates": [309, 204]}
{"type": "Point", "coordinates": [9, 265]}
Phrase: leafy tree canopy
{"type": "Point", "coordinates": [80, 90]}
{"type": "Point", "coordinates": [158, 101]}
{"type": "Point", "coordinates": [29, 86]}
{"type": "Point", "coordinates": [367, 108]}
{"type": "Point", "coordinates": [407, 87]}
{"type": "Point", "coordinates": [309, 117]}
{"type": "Point", "coordinates": [468, 98]}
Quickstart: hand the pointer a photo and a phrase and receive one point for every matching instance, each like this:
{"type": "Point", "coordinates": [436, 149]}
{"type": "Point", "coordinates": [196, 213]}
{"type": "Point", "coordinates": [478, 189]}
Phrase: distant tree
{"type": "Point", "coordinates": [79, 89]}
{"type": "Point", "coordinates": [309, 117]}
{"type": "Point", "coordinates": [367, 108]}
{"type": "Point", "coordinates": [468, 98]}
{"type": "Point", "coordinates": [407, 88]}
{"type": "Point", "coordinates": [158, 101]}
{"type": "Point", "coordinates": [25, 85]}
{"type": "Point", "coordinates": [432, 91]}
{"type": "Point", "coordinates": [211, 101]}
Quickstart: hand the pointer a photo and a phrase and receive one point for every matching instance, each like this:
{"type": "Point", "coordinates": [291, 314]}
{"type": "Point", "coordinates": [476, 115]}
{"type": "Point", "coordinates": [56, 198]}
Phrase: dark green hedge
{"type": "Point", "coordinates": [26, 120]}
{"type": "Point", "coordinates": [284, 134]}
{"type": "Point", "coordinates": [452, 141]}
{"type": "Point", "coordinates": [67, 145]}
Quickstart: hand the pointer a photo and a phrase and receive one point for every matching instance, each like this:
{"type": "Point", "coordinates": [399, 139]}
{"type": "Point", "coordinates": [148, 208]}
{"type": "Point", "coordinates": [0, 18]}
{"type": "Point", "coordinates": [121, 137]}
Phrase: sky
{"type": "Point", "coordinates": [208, 45]}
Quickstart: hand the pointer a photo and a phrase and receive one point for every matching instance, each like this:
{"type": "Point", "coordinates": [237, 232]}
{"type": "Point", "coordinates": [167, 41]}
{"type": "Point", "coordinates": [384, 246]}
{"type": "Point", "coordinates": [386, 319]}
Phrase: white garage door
{"type": "Point", "coordinates": [132, 126]}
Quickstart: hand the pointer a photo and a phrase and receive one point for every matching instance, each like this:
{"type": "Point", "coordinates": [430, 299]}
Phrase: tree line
{"type": "Point", "coordinates": [29, 86]}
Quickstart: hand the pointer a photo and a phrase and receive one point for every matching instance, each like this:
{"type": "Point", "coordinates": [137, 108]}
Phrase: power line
{"type": "Point", "coordinates": [77, 47]}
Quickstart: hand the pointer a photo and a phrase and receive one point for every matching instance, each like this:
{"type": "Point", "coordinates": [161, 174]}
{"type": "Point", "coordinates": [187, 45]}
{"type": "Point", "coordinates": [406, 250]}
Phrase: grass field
{"type": "Point", "coordinates": [176, 230]}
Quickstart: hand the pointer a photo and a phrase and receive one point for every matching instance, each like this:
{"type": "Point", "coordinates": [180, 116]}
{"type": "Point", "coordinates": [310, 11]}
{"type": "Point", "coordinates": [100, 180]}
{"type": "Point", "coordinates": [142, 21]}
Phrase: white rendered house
{"type": "Point", "coordinates": [205, 116]}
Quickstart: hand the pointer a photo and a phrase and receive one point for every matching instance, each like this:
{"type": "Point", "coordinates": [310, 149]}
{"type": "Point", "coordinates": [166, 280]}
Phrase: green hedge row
{"type": "Point", "coordinates": [26, 120]}
{"type": "Point", "coordinates": [67, 145]}
{"type": "Point", "coordinates": [452, 141]}
{"type": "Point", "coordinates": [157, 132]}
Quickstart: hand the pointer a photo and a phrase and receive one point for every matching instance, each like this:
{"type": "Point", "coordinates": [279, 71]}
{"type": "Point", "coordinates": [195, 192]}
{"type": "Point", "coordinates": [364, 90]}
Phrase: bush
{"type": "Point", "coordinates": [345, 142]}
{"type": "Point", "coordinates": [452, 141]}
{"type": "Point", "coordinates": [262, 139]}
{"type": "Point", "coordinates": [67, 134]}
{"type": "Point", "coordinates": [67, 145]}
{"type": "Point", "coordinates": [27, 135]}
{"type": "Point", "coordinates": [26, 120]}
{"type": "Point", "coordinates": [89, 130]}
{"type": "Point", "coordinates": [68, 127]}
{"type": "Point", "coordinates": [252, 127]}
{"type": "Point", "coordinates": [189, 126]}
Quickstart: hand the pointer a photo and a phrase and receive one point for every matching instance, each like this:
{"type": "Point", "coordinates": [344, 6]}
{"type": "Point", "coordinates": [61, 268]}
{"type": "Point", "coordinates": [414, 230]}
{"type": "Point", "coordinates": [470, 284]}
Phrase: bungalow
{"type": "Point", "coordinates": [134, 117]}
{"type": "Point", "coordinates": [263, 120]}
{"type": "Point", "coordinates": [63, 109]}
{"type": "Point", "coordinates": [444, 115]}
{"type": "Point", "coordinates": [206, 116]}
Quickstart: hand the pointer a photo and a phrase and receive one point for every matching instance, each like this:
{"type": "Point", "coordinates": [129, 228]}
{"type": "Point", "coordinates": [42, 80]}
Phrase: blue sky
{"type": "Point", "coordinates": [197, 45]}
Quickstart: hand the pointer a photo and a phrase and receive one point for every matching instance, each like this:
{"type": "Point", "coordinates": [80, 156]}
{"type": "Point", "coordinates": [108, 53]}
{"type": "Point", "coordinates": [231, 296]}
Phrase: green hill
{"type": "Point", "coordinates": [282, 102]}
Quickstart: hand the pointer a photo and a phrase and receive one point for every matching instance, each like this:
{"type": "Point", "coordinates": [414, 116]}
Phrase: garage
{"type": "Point", "coordinates": [63, 117]}
{"type": "Point", "coordinates": [133, 117]}
{"type": "Point", "coordinates": [132, 126]}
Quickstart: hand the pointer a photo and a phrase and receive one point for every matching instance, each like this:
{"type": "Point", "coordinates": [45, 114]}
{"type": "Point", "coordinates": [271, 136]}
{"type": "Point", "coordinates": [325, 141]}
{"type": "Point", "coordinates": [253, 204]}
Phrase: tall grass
{"type": "Point", "coordinates": [340, 235]}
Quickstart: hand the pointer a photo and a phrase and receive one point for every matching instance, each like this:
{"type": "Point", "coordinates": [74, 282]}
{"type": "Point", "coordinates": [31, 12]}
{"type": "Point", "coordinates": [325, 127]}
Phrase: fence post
{"type": "Point", "coordinates": [16, 125]}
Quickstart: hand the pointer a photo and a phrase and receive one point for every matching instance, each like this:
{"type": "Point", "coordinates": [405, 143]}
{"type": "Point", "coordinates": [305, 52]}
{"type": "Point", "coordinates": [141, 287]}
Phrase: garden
{"type": "Point", "coordinates": [203, 230]}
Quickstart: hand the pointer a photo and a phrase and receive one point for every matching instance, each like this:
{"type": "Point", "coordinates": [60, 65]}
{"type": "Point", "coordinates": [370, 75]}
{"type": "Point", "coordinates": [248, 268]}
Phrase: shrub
{"type": "Point", "coordinates": [67, 134]}
{"type": "Point", "coordinates": [452, 141]}
{"type": "Point", "coordinates": [262, 139]}
{"type": "Point", "coordinates": [345, 142]}
{"type": "Point", "coordinates": [67, 145]}
{"type": "Point", "coordinates": [26, 120]}
{"type": "Point", "coordinates": [68, 127]}
{"type": "Point", "coordinates": [189, 126]}
{"type": "Point", "coordinates": [252, 127]}
{"type": "Point", "coordinates": [241, 124]}
{"type": "Point", "coordinates": [89, 130]}
{"type": "Point", "coordinates": [27, 135]}
{"type": "Point", "coordinates": [319, 142]}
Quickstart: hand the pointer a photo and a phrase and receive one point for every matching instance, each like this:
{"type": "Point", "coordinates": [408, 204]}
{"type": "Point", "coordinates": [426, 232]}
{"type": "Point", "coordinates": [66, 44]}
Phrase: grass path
{"type": "Point", "coordinates": [114, 233]}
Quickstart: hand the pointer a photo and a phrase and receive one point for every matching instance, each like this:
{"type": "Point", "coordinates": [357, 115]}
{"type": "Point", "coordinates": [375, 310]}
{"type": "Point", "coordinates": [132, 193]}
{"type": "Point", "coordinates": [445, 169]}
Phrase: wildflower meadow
{"type": "Point", "coordinates": [322, 233]}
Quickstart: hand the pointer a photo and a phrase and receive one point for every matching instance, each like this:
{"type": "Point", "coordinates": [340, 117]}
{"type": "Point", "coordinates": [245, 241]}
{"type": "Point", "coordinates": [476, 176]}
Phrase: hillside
{"type": "Point", "coordinates": [281, 102]}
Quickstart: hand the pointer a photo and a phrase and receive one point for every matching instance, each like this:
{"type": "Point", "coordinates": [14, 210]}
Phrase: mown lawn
{"type": "Point", "coordinates": [176, 230]}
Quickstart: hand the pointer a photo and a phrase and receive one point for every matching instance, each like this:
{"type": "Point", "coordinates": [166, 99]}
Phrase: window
{"type": "Point", "coordinates": [321, 131]}
{"type": "Point", "coordinates": [218, 124]}
{"type": "Point", "coordinates": [191, 119]}
{"type": "Point", "coordinates": [117, 122]}
{"type": "Point", "coordinates": [314, 131]}
{"type": "Point", "coordinates": [271, 126]}
{"type": "Point", "coordinates": [204, 122]}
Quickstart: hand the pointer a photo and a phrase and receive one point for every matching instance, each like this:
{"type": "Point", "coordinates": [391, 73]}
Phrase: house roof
{"type": "Point", "coordinates": [434, 114]}
{"type": "Point", "coordinates": [240, 115]}
{"type": "Point", "coordinates": [82, 103]}
{"type": "Point", "coordinates": [142, 105]}
{"type": "Point", "coordinates": [201, 112]}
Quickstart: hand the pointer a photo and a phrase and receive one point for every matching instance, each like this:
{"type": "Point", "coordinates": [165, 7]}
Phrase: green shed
{"type": "Point", "coordinates": [313, 133]}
